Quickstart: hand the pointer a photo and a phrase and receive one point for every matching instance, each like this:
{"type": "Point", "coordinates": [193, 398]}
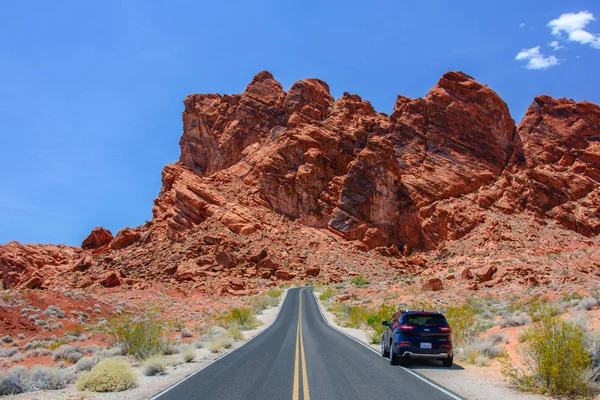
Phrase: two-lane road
{"type": "Point", "coordinates": [301, 357]}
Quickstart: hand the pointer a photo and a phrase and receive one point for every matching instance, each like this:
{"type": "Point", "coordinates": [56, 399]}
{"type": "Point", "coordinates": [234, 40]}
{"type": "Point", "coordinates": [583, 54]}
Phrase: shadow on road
{"type": "Point", "coordinates": [417, 364]}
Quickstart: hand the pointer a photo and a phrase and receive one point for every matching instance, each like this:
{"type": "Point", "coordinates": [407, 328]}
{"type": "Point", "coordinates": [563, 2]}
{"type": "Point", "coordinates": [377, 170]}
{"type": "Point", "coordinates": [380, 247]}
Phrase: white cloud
{"type": "Point", "coordinates": [572, 25]}
{"type": "Point", "coordinates": [535, 59]}
{"type": "Point", "coordinates": [556, 45]}
{"type": "Point", "coordinates": [522, 25]}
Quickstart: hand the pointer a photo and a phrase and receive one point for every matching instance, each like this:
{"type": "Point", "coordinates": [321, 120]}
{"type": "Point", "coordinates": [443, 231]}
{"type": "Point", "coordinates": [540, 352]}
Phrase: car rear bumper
{"type": "Point", "coordinates": [424, 355]}
{"type": "Point", "coordinates": [415, 352]}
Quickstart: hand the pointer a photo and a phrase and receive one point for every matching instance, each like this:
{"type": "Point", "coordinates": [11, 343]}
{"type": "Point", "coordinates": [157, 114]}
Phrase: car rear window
{"type": "Point", "coordinates": [425, 320]}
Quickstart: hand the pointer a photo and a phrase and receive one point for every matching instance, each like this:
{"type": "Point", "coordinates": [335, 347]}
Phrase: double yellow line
{"type": "Point", "coordinates": [302, 358]}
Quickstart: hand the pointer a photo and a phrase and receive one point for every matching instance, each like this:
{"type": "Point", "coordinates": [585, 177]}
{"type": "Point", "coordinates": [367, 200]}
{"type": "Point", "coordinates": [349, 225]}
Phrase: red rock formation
{"type": "Point", "coordinates": [99, 237]}
{"type": "Point", "coordinates": [125, 237]}
{"type": "Point", "coordinates": [271, 183]}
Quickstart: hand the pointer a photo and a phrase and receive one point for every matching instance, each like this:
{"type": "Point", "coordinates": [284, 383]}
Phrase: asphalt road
{"type": "Point", "coordinates": [301, 357]}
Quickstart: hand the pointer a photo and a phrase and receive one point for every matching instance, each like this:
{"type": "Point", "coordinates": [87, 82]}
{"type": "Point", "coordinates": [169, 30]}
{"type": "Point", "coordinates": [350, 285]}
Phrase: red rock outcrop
{"type": "Point", "coordinates": [125, 237]}
{"type": "Point", "coordinates": [99, 238]}
{"type": "Point", "coordinates": [271, 183]}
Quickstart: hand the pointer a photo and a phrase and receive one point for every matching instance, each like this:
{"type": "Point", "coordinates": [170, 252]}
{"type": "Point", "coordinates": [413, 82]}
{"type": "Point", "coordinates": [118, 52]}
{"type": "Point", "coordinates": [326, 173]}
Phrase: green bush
{"type": "Point", "coordinates": [275, 292]}
{"type": "Point", "coordinates": [109, 375]}
{"type": "Point", "coordinates": [375, 318]}
{"type": "Point", "coordinates": [556, 360]}
{"type": "Point", "coordinates": [142, 335]}
{"type": "Point", "coordinates": [327, 294]}
{"type": "Point", "coordinates": [463, 320]}
{"type": "Point", "coordinates": [241, 318]}
{"type": "Point", "coordinates": [360, 281]}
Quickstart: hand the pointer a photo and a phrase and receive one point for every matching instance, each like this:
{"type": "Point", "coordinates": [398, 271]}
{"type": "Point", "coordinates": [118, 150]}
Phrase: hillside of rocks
{"type": "Point", "coordinates": [275, 186]}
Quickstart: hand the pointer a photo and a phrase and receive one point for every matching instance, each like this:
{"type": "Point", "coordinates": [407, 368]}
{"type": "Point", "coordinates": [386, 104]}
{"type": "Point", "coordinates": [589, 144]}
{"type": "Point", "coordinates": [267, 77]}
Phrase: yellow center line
{"type": "Point", "coordinates": [300, 349]}
{"type": "Point", "coordinates": [296, 390]}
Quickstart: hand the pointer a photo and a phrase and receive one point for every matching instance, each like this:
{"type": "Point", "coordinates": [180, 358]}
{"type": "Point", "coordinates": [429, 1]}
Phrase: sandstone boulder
{"type": "Point", "coordinates": [99, 237]}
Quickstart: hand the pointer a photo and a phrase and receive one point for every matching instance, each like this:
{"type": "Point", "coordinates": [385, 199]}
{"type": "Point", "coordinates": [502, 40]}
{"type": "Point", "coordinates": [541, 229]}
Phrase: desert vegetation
{"type": "Point", "coordinates": [142, 340]}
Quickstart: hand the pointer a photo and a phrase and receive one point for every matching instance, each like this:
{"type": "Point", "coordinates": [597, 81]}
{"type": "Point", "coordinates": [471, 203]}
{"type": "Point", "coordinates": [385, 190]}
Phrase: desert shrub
{"type": "Point", "coordinates": [54, 311]}
{"type": "Point", "coordinates": [241, 318]}
{"type": "Point", "coordinates": [462, 319]}
{"type": "Point", "coordinates": [188, 354]}
{"type": "Point", "coordinates": [263, 302]}
{"type": "Point", "coordinates": [76, 331]}
{"type": "Point", "coordinates": [15, 381]}
{"type": "Point", "coordinates": [375, 318]}
{"type": "Point", "coordinates": [109, 353]}
{"type": "Point", "coordinates": [155, 365]}
{"type": "Point", "coordinates": [171, 350]}
{"type": "Point", "coordinates": [173, 361]}
{"type": "Point", "coordinates": [140, 335]}
{"type": "Point", "coordinates": [555, 359]}
{"type": "Point", "coordinates": [86, 363]}
{"type": "Point", "coordinates": [216, 339]}
{"type": "Point", "coordinates": [515, 320]}
{"type": "Point", "coordinates": [275, 293]}
{"type": "Point", "coordinates": [236, 334]}
{"type": "Point", "coordinates": [18, 357]}
{"type": "Point", "coordinates": [359, 281]}
{"type": "Point", "coordinates": [9, 352]}
{"type": "Point", "coordinates": [46, 378]}
{"type": "Point", "coordinates": [353, 316]}
{"type": "Point", "coordinates": [68, 353]}
{"type": "Point", "coordinates": [21, 336]}
{"type": "Point", "coordinates": [327, 294]}
{"type": "Point", "coordinates": [7, 339]}
{"type": "Point", "coordinates": [587, 304]}
{"type": "Point", "coordinates": [498, 337]}
{"type": "Point", "coordinates": [486, 348]}
{"type": "Point", "coordinates": [20, 380]}
{"type": "Point", "coordinates": [186, 333]}
{"type": "Point", "coordinates": [109, 375]}
{"type": "Point", "coordinates": [176, 324]}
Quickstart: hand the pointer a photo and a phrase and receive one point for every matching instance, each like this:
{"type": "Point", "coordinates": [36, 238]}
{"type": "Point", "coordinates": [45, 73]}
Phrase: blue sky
{"type": "Point", "coordinates": [91, 92]}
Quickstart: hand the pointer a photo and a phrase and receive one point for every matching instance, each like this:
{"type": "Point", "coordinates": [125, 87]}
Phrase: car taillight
{"type": "Point", "coordinates": [404, 344]}
{"type": "Point", "coordinates": [405, 327]}
{"type": "Point", "coordinates": [445, 329]}
{"type": "Point", "coordinates": [447, 345]}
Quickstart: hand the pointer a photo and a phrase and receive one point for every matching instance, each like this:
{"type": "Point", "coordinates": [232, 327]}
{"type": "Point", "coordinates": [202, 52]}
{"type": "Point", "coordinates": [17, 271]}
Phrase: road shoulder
{"type": "Point", "coordinates": [463, 380]}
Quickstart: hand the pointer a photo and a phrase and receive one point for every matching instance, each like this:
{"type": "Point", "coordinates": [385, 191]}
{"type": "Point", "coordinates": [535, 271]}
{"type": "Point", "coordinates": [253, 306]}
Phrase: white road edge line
{"type": "Point", "coordinates": [220, 357]}
{"type": "Point", "coordinates": [441, 389]}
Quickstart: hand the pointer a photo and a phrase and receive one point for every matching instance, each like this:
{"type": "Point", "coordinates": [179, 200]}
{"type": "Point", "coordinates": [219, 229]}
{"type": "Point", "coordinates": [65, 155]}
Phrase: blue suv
{"type": "Point", "coordinates": [417, 334]}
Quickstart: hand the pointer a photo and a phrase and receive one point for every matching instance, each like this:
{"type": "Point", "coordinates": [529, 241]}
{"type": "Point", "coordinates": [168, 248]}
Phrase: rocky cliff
{"type": "Point", "coordinates": [276, 185]}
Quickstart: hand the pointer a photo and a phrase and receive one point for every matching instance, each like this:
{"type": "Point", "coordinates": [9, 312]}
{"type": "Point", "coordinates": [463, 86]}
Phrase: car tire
{"type": "Point", "coordinates": [447, 362]}
{"type": "Point", "coordinates": [384, 353]}
{"type": "Point", "coordinates": [394, 359]}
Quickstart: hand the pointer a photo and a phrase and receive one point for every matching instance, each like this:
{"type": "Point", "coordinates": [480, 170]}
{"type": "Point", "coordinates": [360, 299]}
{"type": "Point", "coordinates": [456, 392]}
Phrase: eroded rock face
{"type": "Point", "coordinates": [258, 167]}
{"type": "Point", "coordinates": [556, 172]}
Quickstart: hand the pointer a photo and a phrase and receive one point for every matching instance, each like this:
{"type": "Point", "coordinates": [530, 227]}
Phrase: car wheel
{"type": "Point", "coordinates": [394, 359]}
{"type": "Point", "coordinates": [384, 353]}
{"type": "Point", "coordinates": [447, 362]}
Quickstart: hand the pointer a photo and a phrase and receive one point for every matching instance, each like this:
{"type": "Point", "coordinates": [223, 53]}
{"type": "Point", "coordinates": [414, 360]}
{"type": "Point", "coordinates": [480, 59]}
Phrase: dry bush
{"type": "Point", "coordinates": [155, 365]}
{"type": "Point", "coordinates": [216, 339]}
{"type": "Point", "coordinates": [86, 363]}
{"type": "Point", "coordinates": [109, 375]}
{"type": "Point", "coordinates": [515, 320]}
{"type": "Point", "coordinates": [19, 380]}
{"type": "Point", "coordinates": [188, 354]}
{"type": "Point", "coordinates": [498, 337]}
